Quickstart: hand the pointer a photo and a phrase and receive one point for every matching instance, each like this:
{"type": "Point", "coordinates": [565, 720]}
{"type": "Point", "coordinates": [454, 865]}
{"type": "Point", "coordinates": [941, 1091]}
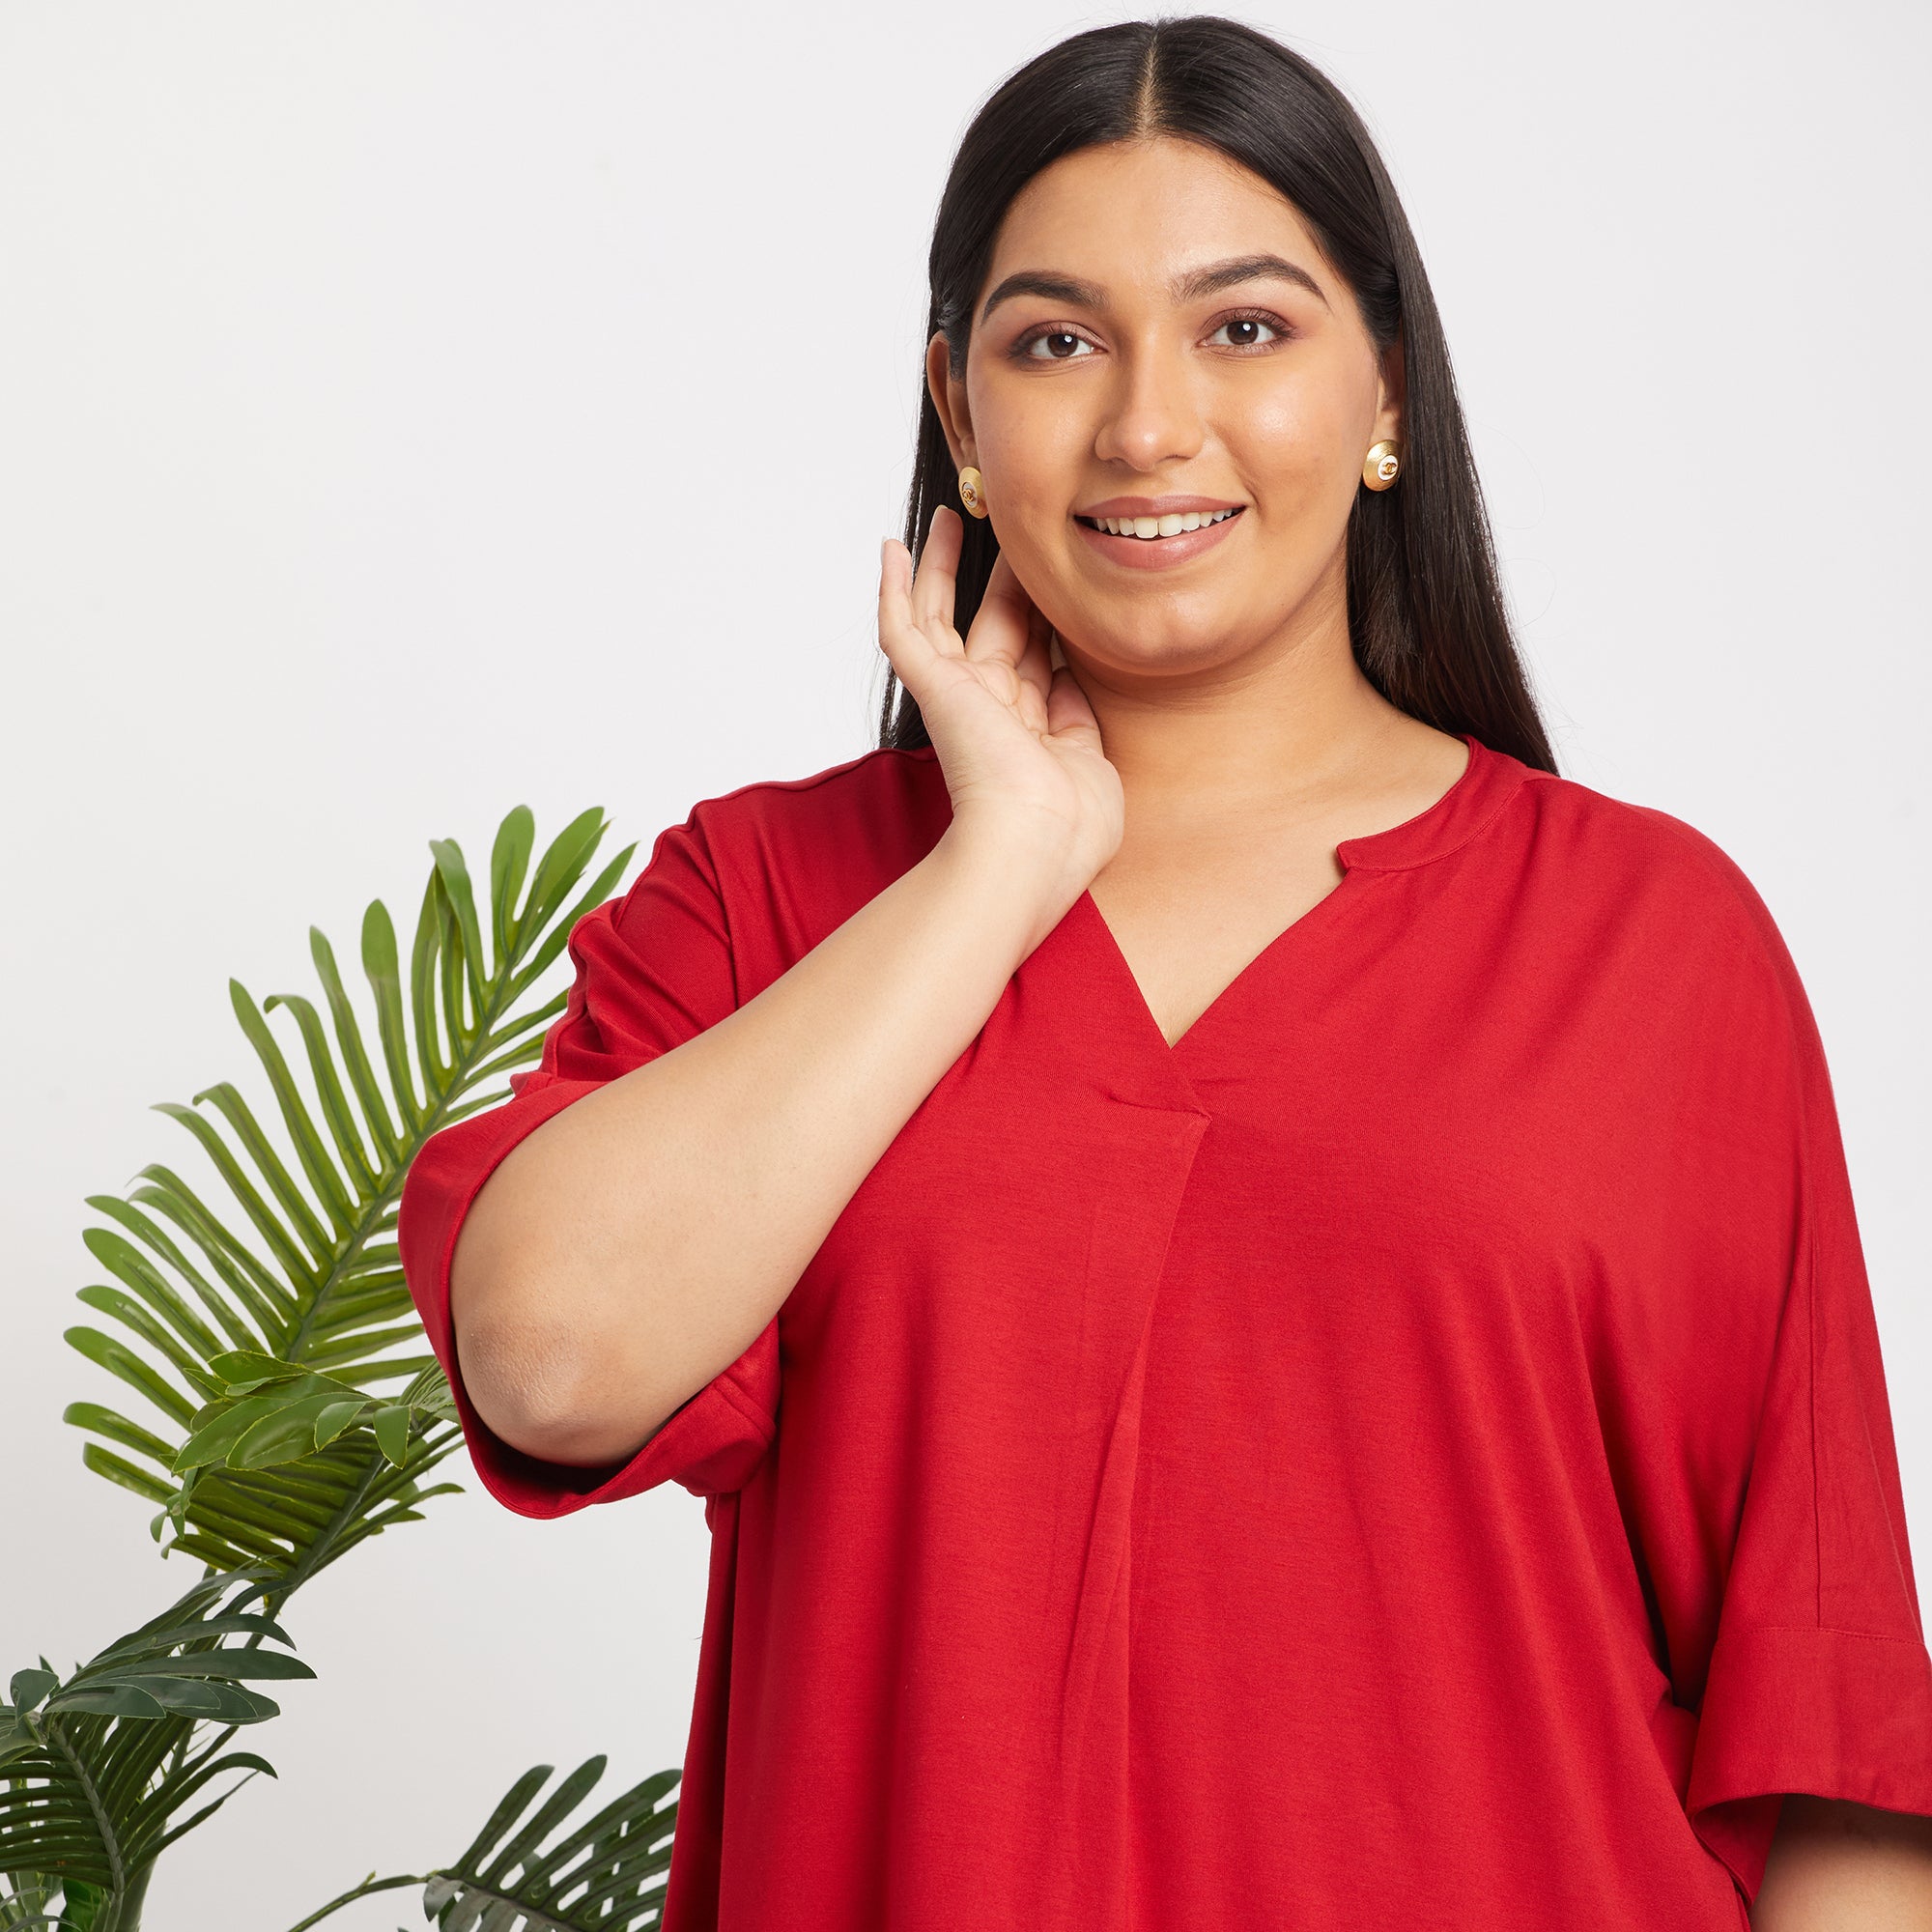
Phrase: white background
{"type": "Point", "coordinates": [411, 409]}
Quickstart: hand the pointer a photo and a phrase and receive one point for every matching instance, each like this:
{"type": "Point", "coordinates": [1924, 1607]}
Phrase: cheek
{"type": "Point", "coordinates": [1031, 449]}
{"type": "Point", "coordinates": [1037, 460]}
{"type": "Point", "coordinates": [1296, 436]}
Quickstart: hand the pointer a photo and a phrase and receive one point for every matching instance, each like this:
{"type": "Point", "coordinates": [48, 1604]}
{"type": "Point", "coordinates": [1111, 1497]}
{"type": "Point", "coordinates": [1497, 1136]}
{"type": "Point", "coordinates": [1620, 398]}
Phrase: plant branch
{"type": "Point", "coordinates": [369, 1887]}
{"type": "Point", "coordinates": [53, 1733]}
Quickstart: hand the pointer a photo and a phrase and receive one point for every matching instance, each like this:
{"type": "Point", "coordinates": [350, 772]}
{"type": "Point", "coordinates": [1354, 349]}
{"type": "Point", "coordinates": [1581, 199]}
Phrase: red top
{"type": "Point", "coordinates": [1413, 1453]}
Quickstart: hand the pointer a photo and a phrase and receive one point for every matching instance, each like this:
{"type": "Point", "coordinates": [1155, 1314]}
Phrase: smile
{"type": "Point", "coordinates": [1168, 542]}
{"type": "Point", "coordinates": [1150, 529]}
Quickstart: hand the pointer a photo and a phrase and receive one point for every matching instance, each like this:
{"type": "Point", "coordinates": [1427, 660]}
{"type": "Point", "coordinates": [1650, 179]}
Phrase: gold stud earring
{"type": "Point", "coordinates": [1383, 464]}
{"type": "Point", "coordinates": [972, 491]}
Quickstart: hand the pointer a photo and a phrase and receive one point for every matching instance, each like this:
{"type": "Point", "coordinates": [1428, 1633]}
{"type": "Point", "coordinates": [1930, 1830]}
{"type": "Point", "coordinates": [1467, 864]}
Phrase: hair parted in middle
{"type": "Point", "coordinates": [1428, 621]}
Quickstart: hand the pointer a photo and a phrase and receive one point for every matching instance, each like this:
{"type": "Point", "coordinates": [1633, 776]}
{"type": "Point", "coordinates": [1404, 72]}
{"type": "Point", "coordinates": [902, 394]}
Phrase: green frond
{"type": "Point", "coordinates": [24, 1901]}
{"type": "Point", "coordinates": [318, 1163]}
{"type": "Point", "coordinates": [286, 1254]}
{"type": "Point", "coordinates": [95, 1768]}
{"type": "Point", "coordinates": [335, 1107]}
{"type": "Point", "coordinates": [272, 1411]}
{"type": "Point", "coordinates": [118, 1470]}
{"type": "Point", "coordinates": [355, 1054]}
{"type": "Point", "coordinates": [558, 932]}
{"type": "Point", "coordinates": [607, 1874]}
{"type": "Point", "coordinates": [509, 863]}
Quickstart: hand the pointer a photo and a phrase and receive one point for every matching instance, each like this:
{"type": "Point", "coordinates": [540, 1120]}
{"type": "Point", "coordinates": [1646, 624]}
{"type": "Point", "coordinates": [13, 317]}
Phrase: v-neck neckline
{"type": "Point", "coordinates": [1360, 858]}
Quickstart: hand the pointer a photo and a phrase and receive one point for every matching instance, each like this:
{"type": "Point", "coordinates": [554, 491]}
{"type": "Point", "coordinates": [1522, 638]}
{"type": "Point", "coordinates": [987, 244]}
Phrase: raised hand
{"type": "Point", "coordinates": [1017, 740]}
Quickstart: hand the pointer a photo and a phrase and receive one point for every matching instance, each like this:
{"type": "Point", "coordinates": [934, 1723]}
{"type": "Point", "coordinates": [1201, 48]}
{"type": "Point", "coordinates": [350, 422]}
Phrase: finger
{"type": "Point", "coordinates": [1035, 682]}
{"type": "Point", "coordinates": [895, 585]}
{"type": "Point", "coordinates": [1000, 626]}
{"type": "Point", "coordinates": [908, 648]}
{"type": "Point", "coordinates": [1036, 666]}
{"type": "Point", "coordinates": [935, 585]}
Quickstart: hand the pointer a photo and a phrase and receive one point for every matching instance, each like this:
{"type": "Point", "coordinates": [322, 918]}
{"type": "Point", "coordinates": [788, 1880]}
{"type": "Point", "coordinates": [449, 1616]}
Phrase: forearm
{"type": "Point", "coordinates": [1836, 1866]}
{"type": "Point", "coordinates": [636, 1243]}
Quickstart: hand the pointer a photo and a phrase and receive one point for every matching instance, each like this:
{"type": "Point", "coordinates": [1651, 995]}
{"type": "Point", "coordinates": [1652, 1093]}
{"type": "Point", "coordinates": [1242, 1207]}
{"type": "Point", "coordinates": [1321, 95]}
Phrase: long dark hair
{"type": "Point", "coordinates": [1427, 618]}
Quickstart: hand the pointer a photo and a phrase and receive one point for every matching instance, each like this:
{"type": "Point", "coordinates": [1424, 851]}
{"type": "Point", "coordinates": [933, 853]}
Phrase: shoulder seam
{"type": "Point", "coordinates": [813, 779]}
{"type": "Point", "coordinates": [1476, 830]}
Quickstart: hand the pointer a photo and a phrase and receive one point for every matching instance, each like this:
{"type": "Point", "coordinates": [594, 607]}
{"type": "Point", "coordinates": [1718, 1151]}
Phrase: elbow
{"type": "Point", "coordinates": [552, 1397]}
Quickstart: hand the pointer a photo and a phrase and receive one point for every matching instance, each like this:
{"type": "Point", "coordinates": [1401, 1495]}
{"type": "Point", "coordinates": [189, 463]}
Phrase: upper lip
{"type": "Point", "coordinates": [1155, 506]}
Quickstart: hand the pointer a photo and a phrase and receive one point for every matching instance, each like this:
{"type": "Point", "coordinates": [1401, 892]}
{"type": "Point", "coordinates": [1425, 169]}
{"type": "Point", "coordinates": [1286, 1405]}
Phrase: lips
{"type": "Point", "coordinates": [1157, 526]}
{"type": "Point", "coordinates": [1158, 551]}
{"type": "Point", "coordinates": [1156, 506]}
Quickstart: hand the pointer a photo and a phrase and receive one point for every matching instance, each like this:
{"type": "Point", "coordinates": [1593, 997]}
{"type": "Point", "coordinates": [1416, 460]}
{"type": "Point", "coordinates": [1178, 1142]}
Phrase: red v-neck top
{"type": "Point", "coordinates": [1414, 1452]}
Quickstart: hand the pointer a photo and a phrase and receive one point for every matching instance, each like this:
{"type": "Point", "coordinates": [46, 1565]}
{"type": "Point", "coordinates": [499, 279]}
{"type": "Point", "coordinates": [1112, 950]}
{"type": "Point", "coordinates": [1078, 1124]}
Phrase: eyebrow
{"type": "Point", "coordinates": [1190, 286]}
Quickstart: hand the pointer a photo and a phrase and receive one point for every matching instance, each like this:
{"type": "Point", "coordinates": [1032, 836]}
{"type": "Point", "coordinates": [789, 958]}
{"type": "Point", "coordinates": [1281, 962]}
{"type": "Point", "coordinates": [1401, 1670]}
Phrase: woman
{"type": "Point", "coordinates": [1261, 1291]}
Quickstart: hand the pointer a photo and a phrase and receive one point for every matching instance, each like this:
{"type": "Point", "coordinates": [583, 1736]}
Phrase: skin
{"type": "Point", "coordinates": [1205, 731]}
{"type": "Point", "coordinates": [1197, 754]}
{"type": "Point", "coordinates": [1247, 741]}
{"type": "Point", "coordinates": [1836, 1866]}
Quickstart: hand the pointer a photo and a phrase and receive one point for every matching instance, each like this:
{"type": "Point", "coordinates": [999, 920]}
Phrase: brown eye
{"type": "Point", "coordinates": [1245, 332]}
{"type": "Point", "coordinates": [1061, 345]}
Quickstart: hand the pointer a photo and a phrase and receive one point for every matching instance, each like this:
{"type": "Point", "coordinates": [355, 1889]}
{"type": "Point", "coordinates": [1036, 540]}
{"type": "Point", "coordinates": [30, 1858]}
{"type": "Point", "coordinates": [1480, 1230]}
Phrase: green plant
{"type": "Point", "coordinates": [95, 1767]}
{"type": "Point", "coordinates": [606, 1875]}
{"type": "Point", "coordinates": [319, 1286]}
{"type": "Point", "coordinates": [268, 1335]}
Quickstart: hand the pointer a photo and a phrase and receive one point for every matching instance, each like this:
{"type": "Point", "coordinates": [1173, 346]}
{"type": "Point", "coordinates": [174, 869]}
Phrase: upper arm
{"type": "Point", "coordinates": [652, 969]}
{"type": "Point", "coordinates": [1837, 1864]}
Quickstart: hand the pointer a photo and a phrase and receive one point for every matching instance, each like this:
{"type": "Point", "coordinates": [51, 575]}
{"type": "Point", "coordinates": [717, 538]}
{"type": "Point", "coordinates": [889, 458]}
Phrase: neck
{"type": "Point", "coordinates": [1289, 718]}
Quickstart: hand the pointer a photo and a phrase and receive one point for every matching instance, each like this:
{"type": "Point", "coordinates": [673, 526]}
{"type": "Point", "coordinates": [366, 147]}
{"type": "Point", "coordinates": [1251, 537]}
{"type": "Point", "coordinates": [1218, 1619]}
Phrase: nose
{"type": "Point", "coordinates": [1152, 416]}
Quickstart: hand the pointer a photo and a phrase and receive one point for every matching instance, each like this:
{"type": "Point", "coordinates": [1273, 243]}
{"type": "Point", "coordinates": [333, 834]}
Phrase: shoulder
{"type": "Point", "coordinates": [1652, 891]}
{"type": "Point", "coordinates": [885, 806]}
{"type": "Point", "coordinates": [774, 866]}
{"type": "Point", "coordinates": [860, 784]}
{"type": "Point", "coordinates": [1637, 854]}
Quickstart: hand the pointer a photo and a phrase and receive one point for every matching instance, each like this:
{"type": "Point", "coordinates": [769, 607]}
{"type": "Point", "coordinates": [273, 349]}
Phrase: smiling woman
{"type": "Point", "coordinates": [1078, 227]}
{"type": "Point", "coordinates": [1262, 1291]}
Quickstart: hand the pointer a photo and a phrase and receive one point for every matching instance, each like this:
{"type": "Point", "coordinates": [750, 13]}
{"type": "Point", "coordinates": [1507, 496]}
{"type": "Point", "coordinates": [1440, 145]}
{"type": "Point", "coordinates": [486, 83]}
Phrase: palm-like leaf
{"type": "Point", "coordinates": [297, 1265]}
{"type": "Point", "coordinates": [608, 1875]}
{"type": "Point", "coordinates": [272, 1411]}
{"type": "Point", "coordinates": [95, 1767]}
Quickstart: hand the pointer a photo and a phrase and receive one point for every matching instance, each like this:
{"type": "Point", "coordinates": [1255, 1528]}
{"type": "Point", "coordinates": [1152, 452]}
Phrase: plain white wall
{"type": "Point", "coordinates": [407, 409]}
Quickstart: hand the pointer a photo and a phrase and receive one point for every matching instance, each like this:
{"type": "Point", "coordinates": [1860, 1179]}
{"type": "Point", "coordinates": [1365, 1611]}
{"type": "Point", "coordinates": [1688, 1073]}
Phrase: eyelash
{"type": "Point", "coordinates": [1022, 350]}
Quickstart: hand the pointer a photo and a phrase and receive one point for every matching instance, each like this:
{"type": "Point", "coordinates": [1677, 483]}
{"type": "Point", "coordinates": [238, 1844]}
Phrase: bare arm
{"type": "Point", "coordinates": [637, 1243]}
{"type": "Point", "coordinates": [633, 1246]}
{"type": "Point", "coordinates": [1836, 1866]}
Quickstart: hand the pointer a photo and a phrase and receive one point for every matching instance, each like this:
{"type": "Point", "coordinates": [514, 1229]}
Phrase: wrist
{"type": "Point", "coordinates": [1020, 865]}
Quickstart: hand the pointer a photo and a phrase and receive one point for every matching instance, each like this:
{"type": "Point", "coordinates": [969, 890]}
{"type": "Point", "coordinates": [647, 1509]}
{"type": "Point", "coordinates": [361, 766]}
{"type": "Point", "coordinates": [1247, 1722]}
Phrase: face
{"type": "Point", "coordinates": [1159, 336]}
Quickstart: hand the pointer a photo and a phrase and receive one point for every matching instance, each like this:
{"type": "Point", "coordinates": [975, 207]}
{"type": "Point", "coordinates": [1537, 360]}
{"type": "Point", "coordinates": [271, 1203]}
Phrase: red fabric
{"type": "Point", "coordinates": [1415, 1452]}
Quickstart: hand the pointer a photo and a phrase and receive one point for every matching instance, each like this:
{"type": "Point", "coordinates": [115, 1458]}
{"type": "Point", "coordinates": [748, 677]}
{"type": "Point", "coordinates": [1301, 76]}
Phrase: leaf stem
{"type": "Point", "coordinates": [369, 1886]}
{"type": "Point", "coordinates": [55, 1734]}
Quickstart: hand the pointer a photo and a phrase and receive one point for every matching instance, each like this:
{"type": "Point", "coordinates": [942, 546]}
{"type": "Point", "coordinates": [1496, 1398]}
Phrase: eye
{"type": "Point", "coordinates": [1061, 345]}
{"type": "Point", "coordinates": [1246, 332]}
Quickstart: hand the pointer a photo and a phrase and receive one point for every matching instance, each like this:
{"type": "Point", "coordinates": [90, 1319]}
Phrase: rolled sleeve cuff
{"type": "Point", "coordinates": [709, 1444]}
{"type": "Point", "coordinates": [1834, 1713]}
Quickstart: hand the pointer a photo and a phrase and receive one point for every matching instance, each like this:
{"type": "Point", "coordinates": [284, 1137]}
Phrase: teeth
{"type": "Point", "coordinates": [1170, 526]}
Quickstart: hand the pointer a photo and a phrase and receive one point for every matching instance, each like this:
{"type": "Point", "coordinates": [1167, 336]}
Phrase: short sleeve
{"type": "Point", "coordinates": [653, 969]}
{"type": "Point", "coordinates": [1803, 1657]}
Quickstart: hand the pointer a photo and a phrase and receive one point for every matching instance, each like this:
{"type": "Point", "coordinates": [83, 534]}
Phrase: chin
{"type": "Point", "coordinates": [1152, 631]}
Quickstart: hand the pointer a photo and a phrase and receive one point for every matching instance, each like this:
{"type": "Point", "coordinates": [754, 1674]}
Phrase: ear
{"type": "Point", "coordinates": [1392, 392]}
{"type": "Point", "coordinates": [949, 399]}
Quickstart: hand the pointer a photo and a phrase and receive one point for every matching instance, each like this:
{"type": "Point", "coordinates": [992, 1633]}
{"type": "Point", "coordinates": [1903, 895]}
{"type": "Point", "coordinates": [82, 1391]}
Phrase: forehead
{"type": "Point", "coordinates": [1129, 214]}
